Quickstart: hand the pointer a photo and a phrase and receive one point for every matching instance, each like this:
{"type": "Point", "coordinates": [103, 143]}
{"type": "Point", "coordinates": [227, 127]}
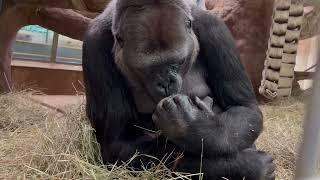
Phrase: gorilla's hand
{"type": "Point", "coordinates": [175, 115]}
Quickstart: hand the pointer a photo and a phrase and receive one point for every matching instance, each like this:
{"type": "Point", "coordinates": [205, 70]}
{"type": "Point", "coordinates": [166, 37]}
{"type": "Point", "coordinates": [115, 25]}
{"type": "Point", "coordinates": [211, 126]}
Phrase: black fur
{"type": "Point", "coordinates": [225, 139]}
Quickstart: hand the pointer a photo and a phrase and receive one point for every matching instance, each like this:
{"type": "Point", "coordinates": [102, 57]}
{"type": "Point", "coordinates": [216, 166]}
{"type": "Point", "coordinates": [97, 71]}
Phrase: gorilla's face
{"type": "Point", "coordinates": [155, 46]}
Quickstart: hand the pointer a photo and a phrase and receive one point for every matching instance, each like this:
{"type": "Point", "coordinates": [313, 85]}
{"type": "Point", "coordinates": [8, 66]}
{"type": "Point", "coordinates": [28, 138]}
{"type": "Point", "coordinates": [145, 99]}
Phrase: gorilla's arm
{"type": "Point", "coordinates": [240, 123]}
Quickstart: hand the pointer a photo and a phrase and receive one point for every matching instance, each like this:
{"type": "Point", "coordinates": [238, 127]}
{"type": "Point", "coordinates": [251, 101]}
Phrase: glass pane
{"type": "Point", "coordinates": [33, 43]}
{"type": "Point", "coordinates": [69, 50]}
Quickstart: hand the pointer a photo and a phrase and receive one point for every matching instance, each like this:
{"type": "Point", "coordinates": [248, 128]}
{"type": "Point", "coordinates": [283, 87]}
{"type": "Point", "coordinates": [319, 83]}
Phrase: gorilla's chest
{"type": "Point", "coordinates": [194, 84]}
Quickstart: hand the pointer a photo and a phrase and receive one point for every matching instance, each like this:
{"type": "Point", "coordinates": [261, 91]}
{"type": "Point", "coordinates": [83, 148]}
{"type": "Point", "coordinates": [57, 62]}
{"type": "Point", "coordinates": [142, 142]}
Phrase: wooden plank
{"type": "Point", "coordinates": [45, 65]}
{"type": "Point", "coordinates": [1, 6]}
{"type": "Point", "coordinates": [79, 4]}
{"type": "Point", "coordinates": [96, 5]}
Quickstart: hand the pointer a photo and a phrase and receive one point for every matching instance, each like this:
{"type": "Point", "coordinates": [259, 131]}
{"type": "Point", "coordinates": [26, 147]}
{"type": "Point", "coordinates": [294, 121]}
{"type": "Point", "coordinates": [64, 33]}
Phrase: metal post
{"type": "Point", "coordinates": [54, 47]}
{"type": "Point", "coordinates": [47, 36]}
{"type": "Point", "coordinates": [308, 161]}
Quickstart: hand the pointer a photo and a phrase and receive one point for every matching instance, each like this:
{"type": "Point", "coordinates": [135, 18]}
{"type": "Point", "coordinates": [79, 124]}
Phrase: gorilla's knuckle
{"type": "Point", "coordinates": [180, 98]}
{"type": "Point", "coordinates": [177, 99]}
{"type": "Point", "coordinates": [159, 109]}
{"type": "Point", "coordinates": [168, 104]}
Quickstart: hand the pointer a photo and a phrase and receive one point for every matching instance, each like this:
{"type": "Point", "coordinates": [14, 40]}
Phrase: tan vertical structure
{"type": "Point", "coordinates": [278, 73]}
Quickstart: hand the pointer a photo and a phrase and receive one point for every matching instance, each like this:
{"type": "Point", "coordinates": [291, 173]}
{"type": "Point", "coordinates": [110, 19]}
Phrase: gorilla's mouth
{"type": "Point", "coordinates": [157, 97]}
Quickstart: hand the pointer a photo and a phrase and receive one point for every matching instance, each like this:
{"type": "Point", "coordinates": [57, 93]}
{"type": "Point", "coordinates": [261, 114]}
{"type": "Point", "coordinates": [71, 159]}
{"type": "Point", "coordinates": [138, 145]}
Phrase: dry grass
{"type": "Point", "coordinates": [38, 143]}
{"type": "Point", "coordinates": [283, 122]}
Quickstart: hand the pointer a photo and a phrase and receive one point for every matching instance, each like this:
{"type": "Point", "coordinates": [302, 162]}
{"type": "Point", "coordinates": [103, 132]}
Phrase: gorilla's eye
{"type": "Point", "coordinates": [119, 41]}
{"type": "Point", "coordinates": [189, 24]}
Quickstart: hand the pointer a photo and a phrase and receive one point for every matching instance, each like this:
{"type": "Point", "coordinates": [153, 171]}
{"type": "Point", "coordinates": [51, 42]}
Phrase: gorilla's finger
{"type": "Point", "coordinates": [158, 118]}
{"type": "Point", "coordinates": [183, 102]}
{"type": "Point", "coordinates": [201, 104]}
{"type": "Point", "coordinates": [168, 105]}
{"type": "Point", "coordinates": [155, 116]}
{"type": "Point", "coordinates": [159, 109]}
{"type": "Point", "coordinates": [208, 101]}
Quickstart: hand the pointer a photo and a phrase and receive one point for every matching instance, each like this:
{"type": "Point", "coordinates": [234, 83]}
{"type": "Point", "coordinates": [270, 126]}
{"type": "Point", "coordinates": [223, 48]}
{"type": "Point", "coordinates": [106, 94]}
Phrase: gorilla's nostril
{"type": "Point", "coordinates": [161, 87]}
{"type": "Point", "coordinates": [166, 86]}
{"type": "Point", "coordinates": [171, 81]}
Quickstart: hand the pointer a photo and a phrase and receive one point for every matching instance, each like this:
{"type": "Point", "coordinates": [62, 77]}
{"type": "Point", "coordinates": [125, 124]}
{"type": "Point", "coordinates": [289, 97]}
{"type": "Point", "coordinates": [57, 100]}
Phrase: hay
{"type": "Point", "coordinates": [283, 122]}
{"type": "Point", "coordinates": [38, 143]}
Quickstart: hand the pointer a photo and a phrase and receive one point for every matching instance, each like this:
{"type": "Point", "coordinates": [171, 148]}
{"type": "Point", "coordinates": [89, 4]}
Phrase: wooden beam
{"type": "Point", "coordinates": [87, 14]}
{"type": "Point", "coordinates": [79, 5]}
{"type": "Point", "coordinates": [303, 75]}
{"type": "Point", "coordinates": [44, 3]}
{"type": "Point", "coordinates": [315, 3]}
{"type": "Point", "coordinates": [56, 19]}
{"type": "Point", "coordinates": [1, 6]}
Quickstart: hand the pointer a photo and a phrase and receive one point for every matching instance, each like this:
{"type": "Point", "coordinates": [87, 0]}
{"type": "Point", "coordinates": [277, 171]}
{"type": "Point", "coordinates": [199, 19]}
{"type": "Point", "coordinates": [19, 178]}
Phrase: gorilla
{"type": "Point", "coordinates": [164, 78]}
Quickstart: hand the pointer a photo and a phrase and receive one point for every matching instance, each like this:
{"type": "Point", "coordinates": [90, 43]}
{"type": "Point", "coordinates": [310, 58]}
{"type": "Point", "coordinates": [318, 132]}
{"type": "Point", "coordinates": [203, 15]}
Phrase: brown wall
{"type": "Point", "coordinates": [49, 78]}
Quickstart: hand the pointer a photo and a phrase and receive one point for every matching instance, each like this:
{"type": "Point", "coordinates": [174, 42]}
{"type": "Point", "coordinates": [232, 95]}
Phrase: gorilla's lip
{"type": "Point", "coordinates": [157, 99]}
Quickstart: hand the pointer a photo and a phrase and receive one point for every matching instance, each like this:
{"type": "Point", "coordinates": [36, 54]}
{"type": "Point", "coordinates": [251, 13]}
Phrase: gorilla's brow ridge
{"type": "Point", "coordinates": [125, 4]}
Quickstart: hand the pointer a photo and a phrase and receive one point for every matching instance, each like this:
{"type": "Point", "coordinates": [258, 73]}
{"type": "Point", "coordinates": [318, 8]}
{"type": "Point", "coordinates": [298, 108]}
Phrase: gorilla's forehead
{"type": "Point", "coordinates": [124, 4]}
{"type": "Point", "coordinates": [140, 16]}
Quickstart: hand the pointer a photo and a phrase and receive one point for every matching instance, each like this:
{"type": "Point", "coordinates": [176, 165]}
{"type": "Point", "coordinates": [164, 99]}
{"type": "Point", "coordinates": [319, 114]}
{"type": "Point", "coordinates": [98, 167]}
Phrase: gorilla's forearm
{"type": "Point", "coordinates": [224, 134]}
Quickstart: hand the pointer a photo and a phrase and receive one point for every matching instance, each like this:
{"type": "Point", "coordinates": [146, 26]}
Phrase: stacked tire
{"type": "Point", "coordinates": [278, 73]}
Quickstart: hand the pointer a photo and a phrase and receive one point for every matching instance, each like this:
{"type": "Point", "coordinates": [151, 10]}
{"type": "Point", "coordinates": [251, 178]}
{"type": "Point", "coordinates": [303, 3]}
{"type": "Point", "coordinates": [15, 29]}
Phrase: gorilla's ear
{"type": "Point", "coordinates": [108, 98]}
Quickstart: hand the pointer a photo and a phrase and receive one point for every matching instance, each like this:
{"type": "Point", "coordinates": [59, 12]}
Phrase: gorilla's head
{"type": "Point", "coordinates": [155, 45]}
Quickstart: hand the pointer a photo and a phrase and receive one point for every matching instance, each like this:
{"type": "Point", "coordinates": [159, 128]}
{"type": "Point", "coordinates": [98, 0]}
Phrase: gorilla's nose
{"type": "Point", "coordinates": [167, 86]}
